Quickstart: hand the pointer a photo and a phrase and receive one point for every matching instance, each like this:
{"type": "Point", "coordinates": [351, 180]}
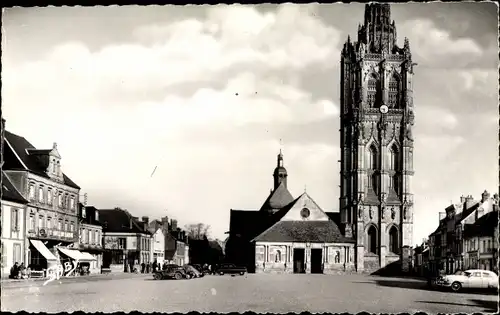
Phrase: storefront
{"type": "Point", "coordinates": [75, 262]}
{"type": "Point", "coordinates": [41, 258]}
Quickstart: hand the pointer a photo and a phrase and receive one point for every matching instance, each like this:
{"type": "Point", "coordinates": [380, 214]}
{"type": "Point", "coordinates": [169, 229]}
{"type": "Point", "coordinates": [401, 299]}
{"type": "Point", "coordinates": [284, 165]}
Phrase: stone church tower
{"type": "Point", "coordinates": [377, 118]}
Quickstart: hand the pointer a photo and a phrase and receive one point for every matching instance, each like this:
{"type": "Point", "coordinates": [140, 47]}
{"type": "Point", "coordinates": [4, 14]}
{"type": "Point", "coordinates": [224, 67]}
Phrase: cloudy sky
{"type": "Point", "coordinates": [204, 93]}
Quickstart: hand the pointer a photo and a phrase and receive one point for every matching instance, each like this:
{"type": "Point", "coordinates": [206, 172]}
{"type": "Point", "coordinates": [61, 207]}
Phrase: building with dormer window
{"type": "Point", "coordinates": [51, 214]}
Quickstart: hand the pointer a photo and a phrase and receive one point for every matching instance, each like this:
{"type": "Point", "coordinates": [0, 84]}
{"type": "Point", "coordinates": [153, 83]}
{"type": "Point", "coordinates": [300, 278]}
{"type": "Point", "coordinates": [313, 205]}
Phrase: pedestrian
{"type": "Point", "coordinates": [143, 267]}
{"type": "Point", "coordinates": [14, 271]}
{"type": "Point", "coordinates": [155, 265]}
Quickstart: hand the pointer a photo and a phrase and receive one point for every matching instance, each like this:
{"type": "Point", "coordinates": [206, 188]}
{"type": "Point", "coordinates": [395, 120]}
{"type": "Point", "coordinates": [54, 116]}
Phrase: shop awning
{"type": "Point", "coordinates": [88, 256]}
{"type": "Point", "coordinates": [75, 254]}
{"type": "Point", "coordinates": [42, 249]}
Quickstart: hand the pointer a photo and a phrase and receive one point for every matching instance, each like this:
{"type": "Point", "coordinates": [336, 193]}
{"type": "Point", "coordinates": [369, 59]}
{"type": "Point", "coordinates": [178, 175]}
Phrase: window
{"type": "Point", "coordinates": [97, 216]}
{"type": "Point", "coordinates": [17, 253]}
{"type": "Point", "coordinates": [54, 166]}
{"type": "Point", "coordinates": [66, 225]}
{"type": "Point", "coordinates": [32, 191]}
{"type": "Point", "coordinates": [395, 183]}
{"type": "Point", "coordinates": [476, 274]}
{"type": "Point", "coordinates": [394, 158]}
{"type": "Point", "coordinates": [484, 246]}
{"type": "Point", "coordinates": [489, 245]}
{"type": "Point", "coordinates": [59, 225]}
{"type": "Point", "coordinates": [122, 243]}
{"type": "Point", "coordinates": [394, 240]}
{"type": "Point", "coordinates": [40, 222]}
{"type": "Point", "coordinates": [84, 212]}
{"type": "Point", "coordinates": [71, 203]}
{"type": "Point", "coordinates": [41, 197]}
{"type": "Point", "coordinates": [99, 238]}
{"type": "Point", "coordinates": [32, 223]}
{"type": "Point", "coordinates": [58, 168]}
{"type": "Point", "coordinates": [65, 201]}
{"type": "Point", "coordinates": [372, 239]}
{"type": "Point", "coordinates": [393, 97]}
{"type": "Point", "coordinates": [72, 227]}
{"type": "Point", "coordinates": [4, 255]}
{"type": "Point", "coordinates": [372, 158]}
{"type": "Point", "coordinates": [60, 200]}
{"type": "Point", "coordinates": [15, 220]}
{"type": "Point", "coordinates": [49, 223]}
{"type": "Point", "coordinates": [372, 91]}
{"type": "Point", "coordinates": [91, 237]}
{"type": "Point", "coordinates": [373, 182]}
{"type": "Point", "coordinates": [49, 196]}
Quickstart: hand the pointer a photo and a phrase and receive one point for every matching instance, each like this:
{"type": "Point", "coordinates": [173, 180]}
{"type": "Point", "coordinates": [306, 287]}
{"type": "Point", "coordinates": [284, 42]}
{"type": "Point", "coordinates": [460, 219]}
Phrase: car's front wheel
{"type": "Point", "coordinates": [242, 273]}
{"type": "Point", "coordinates": [157, 276]}
{"type": "Point", "coordinates": [178, 276]}
{"type": "Point", "coordinates": [456, 286]}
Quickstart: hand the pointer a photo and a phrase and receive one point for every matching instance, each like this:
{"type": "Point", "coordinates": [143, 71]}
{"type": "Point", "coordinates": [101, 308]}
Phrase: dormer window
{"type": "Point", "coordinates": [84, 212]}
{"type": "Point", "coordinates": [58, 168]}
{"type": "Point", "coordinates": [54, 166]}
{"type": "Point", "coordinates": [97, 216]}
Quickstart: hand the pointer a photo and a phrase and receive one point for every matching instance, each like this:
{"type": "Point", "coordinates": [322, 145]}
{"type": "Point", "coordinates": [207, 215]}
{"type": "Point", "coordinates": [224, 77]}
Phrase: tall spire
{"type": "Point", "coordinates": [280, 174]}
{"type": "Point", "coordinates": [378, 33]}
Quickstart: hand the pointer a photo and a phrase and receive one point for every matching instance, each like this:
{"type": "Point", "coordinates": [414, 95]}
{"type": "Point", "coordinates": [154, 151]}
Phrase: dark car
{"type": "Point", "coordinates": [171, 272]}
{"type": "Point", "coordinates": [200, 268]}
{"type": "Point", "coordinates": [231, 269]}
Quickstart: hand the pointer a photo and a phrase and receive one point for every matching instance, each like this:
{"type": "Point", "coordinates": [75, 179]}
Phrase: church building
{"type": "Point", "coordinates": [288, 235]}
{"type": "Point", "coordinates": [374, 227]}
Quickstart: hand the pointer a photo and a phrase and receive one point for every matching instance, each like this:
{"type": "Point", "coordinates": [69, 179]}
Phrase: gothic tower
{"type": "Point", "coordinates": [280, 174]}
{"type": "Point", "coordinates": [376, 199]}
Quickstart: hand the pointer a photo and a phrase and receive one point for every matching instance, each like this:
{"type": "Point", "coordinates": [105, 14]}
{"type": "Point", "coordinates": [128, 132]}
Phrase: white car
{"type": "Point", "coordinates": [470, 279]}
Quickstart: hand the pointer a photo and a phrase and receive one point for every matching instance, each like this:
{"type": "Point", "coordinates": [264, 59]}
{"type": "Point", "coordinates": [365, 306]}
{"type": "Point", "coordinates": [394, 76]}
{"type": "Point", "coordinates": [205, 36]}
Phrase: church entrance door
{"type": "Point", "coordinates": [316, 259]}
{"type": "Point", "coordinates": [299, 260]}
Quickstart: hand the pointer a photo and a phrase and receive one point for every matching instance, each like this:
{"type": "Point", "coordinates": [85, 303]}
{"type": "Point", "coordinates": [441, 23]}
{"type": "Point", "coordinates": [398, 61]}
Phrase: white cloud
{"type": "Point", "coordinates": [433, 116]}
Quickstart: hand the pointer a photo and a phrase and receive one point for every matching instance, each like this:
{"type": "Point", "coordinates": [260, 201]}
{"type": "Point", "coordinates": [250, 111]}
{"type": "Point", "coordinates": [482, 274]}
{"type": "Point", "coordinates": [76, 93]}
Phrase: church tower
{"type": "Point", "coordinates": [280, 174]}
{"type": "Point", "coordinates": [377, 118]}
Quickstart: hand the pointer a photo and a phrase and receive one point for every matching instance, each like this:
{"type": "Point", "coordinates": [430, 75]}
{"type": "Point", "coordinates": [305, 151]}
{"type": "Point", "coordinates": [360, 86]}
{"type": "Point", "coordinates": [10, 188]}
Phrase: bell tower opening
{"type": "Point", "coordinates": [280, 174]}
{"type": "Point", "coordinates": [376, 124]}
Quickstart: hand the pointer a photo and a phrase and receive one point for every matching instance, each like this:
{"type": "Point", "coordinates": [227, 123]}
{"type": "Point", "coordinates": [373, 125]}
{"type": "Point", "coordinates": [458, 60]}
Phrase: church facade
{"type": "Point", "coordinates": [374, 226]}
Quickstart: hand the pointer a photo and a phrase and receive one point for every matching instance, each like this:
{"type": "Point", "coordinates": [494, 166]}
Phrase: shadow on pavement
{"type": "Point", "coordinates": [490, 306]}
{"type": "Point", "coordinates": [422, 285]}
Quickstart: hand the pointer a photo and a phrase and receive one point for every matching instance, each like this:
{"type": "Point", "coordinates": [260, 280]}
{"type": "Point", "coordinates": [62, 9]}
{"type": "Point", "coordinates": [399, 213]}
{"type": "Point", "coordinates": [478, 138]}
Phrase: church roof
{"type": "Point", "coordinates": [303, 231]}
{"type": "Point", "coordinates": [278, 198]}
{"type": "Point", "coordinates": [285, 228]}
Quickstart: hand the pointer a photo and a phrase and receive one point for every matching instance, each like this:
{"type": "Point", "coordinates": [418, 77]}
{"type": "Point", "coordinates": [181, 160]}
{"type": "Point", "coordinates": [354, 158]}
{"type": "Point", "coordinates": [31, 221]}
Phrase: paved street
{"type": "Point", "coordinates": [259, 293]}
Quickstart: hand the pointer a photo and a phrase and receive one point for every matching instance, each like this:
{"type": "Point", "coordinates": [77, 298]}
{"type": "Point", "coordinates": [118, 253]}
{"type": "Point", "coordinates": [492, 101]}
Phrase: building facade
{"type": "Point", "coordinates": [12, 226]}
{"type": "Point", "coordinates": [51, 214]}
{"type": "Point", "coordinates": [126, 240]}
{"type": "Point", "coordinates": [481, 243]}
{"type": "Point", "coordinates": [377, 118]}
{"type": "Point", "coordinates": [448, 249]}
{"type": "Point", "coordinates": [176, 245]}
{"type": "Point", "coordinates": [158, 241]}
{"type": "Point", "coordinates": [90, 236]}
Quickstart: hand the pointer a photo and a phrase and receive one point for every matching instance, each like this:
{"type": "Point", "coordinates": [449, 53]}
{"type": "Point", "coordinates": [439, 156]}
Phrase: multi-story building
{"type": "Point", "coordinates": [126, 240]}
{"type": "Point", "coordinates": [421, 258]}
{"type": "Point", "coordinates": [481, 243]}
{"type": "Point", "coordinates": [90, 236]}
{"type": "Point", "coordinates": [51, 214]}
{"type": "Point", "coordinates": [12, 227]}
{"type": "Point", "coordinates": [176, 244]}
{"type": "Point", "coordinates": [158, 240]}
{"type": "Point", "coordinates": [446, 243]}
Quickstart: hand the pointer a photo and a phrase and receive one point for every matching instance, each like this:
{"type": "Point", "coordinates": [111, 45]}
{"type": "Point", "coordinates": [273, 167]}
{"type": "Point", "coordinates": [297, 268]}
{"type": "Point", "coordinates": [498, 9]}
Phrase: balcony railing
{"type": "Point", "coordinates": [52, 234]}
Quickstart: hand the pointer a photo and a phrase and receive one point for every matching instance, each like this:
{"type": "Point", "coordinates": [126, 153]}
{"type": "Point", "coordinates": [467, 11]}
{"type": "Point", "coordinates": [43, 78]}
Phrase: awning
{"type": "Point", "coordinates": [42, 249]}
{"type": "Point", "coordinates": [75, 254]}
{"type": "Point", "coordinates": [88, 256]}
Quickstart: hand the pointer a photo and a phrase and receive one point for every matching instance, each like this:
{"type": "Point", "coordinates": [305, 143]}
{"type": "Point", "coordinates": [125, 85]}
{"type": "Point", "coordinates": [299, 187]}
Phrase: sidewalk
{"type": "Point", "coordinates": [95, 276]}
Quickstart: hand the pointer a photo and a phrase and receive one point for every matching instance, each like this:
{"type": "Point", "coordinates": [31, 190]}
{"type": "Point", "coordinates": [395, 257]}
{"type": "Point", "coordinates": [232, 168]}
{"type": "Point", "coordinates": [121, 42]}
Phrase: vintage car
{"type": "Point", "coordinates": [469, 279]}
{"type": "Point", "coordinates": [230, 269]}
{"type": "Point", "coordinates": [192, 271]}
{"type": "Point", "coordinates": [171, 272]}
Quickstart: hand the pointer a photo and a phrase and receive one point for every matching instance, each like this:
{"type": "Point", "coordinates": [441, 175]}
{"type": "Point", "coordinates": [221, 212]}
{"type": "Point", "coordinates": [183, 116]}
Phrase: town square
{"type": "Point", "coordinates": [267, 158]}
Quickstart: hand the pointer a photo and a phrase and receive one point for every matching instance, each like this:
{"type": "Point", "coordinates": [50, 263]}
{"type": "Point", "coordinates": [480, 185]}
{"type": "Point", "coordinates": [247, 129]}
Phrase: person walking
{"type": "Point", "coordinates": [143, 267]}
{"type": "Point", "coordinates": [14, 271]}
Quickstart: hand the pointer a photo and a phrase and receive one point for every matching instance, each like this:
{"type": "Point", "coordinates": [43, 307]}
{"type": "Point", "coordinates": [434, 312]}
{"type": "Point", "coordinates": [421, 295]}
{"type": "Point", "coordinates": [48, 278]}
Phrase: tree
{"type": "Point", "coordinates": [197, 231]}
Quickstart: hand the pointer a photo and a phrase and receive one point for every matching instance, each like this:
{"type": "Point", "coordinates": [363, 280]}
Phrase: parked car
{"type": "Point", "coordinates": [230, 269]}
{"type": "Point", "coordinates": [171, 272]}
{"type": "Point", "coordinates": [192, 271]}
{"type": "Point", "coordinates": [202, 269]}
{"type": "Point", "coordinates": [469, 279]}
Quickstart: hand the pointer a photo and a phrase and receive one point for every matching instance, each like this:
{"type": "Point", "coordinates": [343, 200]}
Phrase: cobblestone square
{"type": "Point", "coordinates": [253, 292]}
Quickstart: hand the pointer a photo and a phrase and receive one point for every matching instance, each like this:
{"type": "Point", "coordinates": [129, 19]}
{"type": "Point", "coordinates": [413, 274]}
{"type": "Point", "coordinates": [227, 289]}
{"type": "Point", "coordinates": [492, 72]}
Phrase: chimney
{"type": "Point", "coordinates": [442, 215]}
{"type": "Point", "coordinates": [145, 219]}
{"type": "Point", "coordinates": [484, 196]}
{"type": "Point", "coordinates": [130, 222]}
{"type": "Point", "coordinates": [462, 199]}
{"type": "Point", "coordinates": [173, 225]}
